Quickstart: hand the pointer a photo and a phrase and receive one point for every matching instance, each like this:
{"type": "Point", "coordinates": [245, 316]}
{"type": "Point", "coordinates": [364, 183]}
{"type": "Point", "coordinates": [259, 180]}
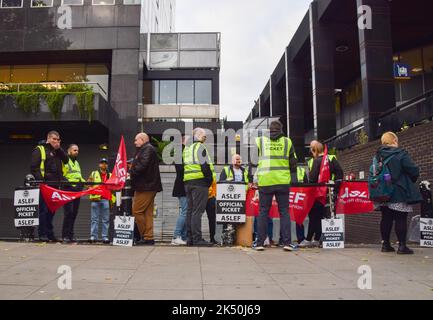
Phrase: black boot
{"type": "Point", "coordinates": [386, 247]}
{"type": "Point", "coordinates": [403, 249]}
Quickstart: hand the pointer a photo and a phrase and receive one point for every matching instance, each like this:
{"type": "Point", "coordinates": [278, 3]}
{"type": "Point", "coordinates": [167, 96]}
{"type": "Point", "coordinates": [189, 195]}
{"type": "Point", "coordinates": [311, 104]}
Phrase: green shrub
{"type": "Point", "coordinates": [55, 103]}
{"type": "Point", "coordinates": [85, 104]}
{"type": "Point", "coordinates": [27, 102]}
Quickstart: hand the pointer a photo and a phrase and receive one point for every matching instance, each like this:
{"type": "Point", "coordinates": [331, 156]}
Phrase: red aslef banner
{"type": "Point", "coordinates": [118, 176]}
{"type": "Point", "coordinates": [324, 177]}
{"type": "Point", "coordinates": [55, 199]}
{"type": "Point", "coordinates": [354, 198]}
{"type": "Point", "coordinates": [301, 200]}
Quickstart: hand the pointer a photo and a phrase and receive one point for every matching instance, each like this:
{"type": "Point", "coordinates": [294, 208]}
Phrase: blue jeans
{"type": "Point", "coordinates": [265, 202]}
{"type": "Point", "coordinates": [180, 230]}
{"type": "Point", "coordinates": [100, 210]}
{"type": "Point", "coordinates": [270, 228]}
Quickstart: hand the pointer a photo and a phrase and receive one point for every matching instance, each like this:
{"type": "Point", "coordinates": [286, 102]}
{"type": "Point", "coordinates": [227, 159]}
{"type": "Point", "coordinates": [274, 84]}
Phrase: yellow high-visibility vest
{"type": "Point", "coordinates": [192, 165]}
{"type": "Point", "coordinates": [274, 165]}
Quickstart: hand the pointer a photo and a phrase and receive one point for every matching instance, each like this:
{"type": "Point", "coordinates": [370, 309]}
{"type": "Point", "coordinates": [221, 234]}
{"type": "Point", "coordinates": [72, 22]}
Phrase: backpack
{"type": "Point", "coordinates": [380, 184]}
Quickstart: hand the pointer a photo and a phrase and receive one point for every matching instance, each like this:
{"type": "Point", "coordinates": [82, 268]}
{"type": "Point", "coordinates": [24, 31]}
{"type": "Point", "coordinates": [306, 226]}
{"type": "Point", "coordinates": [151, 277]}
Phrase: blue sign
{"type": "Point", "coordinates": [401, 70]}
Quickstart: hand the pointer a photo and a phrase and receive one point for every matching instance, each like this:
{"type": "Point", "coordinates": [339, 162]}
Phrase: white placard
{"type": "Point", "coordinates": [231, 203]}
{"type": "Point", "coordinates": [426, 226]}
{"type": "Point", "coordinates": [333, 234]}
{"type": "Point", "coordinates": [26, 204]}
{"type": "Point", "coordinates": [123, 231]}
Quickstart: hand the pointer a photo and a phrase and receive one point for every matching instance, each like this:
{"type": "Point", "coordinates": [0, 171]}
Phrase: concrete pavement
{"type": "Point", "coordinates": [29, 271]}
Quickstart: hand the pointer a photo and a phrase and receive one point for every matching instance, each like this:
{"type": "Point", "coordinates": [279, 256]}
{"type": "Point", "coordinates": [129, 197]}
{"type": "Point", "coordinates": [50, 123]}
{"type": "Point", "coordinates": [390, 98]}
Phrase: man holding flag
{"type": "Point", "coordinates": [321, 172]}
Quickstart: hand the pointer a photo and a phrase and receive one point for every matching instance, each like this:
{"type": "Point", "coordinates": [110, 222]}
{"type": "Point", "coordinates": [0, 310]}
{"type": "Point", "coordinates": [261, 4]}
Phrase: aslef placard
{"type": "Point", "coordinates": [26, 204]}
{"type": "Point", "coordinates": [426, 232]}
{"type": "Point", "coordinates": [123, 231]}
{"type": "Point", "coordinates": [230, 205]}
{"type": "Point", "coordinates": [332, 234]}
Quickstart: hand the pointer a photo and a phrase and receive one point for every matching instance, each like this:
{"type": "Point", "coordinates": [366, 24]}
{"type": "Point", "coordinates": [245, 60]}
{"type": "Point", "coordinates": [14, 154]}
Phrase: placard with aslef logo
{"type": "Point", "coordinates": [231, 203]}
{"type": "Point", "coordinates": [26, 204]}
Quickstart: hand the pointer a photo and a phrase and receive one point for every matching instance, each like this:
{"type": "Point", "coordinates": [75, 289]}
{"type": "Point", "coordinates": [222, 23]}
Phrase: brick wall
{"type": "Point", "coordinates": [418, 141]}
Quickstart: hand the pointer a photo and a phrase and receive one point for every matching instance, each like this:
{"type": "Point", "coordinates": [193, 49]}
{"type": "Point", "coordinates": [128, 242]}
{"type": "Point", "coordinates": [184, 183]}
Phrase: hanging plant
{"type": "Point", "coordinates": [55, 103]}
{"type": "Point", "coordinates": [85, 104]}
{"type": "Point", "coordinates": [27, 102]}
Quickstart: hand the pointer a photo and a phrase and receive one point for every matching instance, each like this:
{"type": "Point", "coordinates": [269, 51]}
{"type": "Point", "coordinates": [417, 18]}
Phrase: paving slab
{"type": "Point", "coordinates": [29, 271]}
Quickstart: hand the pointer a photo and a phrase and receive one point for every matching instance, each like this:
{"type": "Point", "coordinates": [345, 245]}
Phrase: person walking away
{"type": "Point", "coordinates": [146, 181]}
{"type": "Point", "coordinates": [99, 207]}
{"type": "Point", "coordinates": [180, 235]}
{"type": "Point", "coordinates": [199, 174]}
{"type": "Point", "coordinates": [72, 173]}
{"type": "Point", "coordinates": [277, 163]}
{"type": "Point", "coordinates": [317, 212]}
{"type": "Point", "coordinates": [404, 174]}
{"type": "Point", "coordinates": [47, 165]}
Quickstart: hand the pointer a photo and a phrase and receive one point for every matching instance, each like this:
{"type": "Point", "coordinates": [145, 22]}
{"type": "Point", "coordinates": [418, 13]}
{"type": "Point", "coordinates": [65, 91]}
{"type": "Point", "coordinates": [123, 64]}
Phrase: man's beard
{"type": "Point", "coordinates": [73, 158]}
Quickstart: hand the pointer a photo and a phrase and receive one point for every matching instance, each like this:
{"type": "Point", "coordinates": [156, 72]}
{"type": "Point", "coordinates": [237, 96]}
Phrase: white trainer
{"type": "Point", "coordinates": [178, 242]}
{"type": "Point", "coordinates": [305, 244]}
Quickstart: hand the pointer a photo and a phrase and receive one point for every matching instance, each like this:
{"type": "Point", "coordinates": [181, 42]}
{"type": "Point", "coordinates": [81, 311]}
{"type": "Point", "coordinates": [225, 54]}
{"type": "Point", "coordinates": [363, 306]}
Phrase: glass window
{"type": "Point", "coordinates": [167, 92]}
{"type": "Point", "coordinates": [131, 1]}
{"type": "Point", "coordinates": [66, 72]}
{"type": "Point", "coordinates": [163, 42]}
{"type": "Point", "coordinates": [413, 87]}
{"type": "Point", "coordinates": [5, 74]}
{"type": "Point", "coordinates": [185, 92]}
{"type": "Point", "coordinates": [28, 73]}
{"type": "Point", "coordinates": [198, 59]}
{"type": "Point", "coordinates": [72, 2]}
{"type": "Point", "coordinates": [428, 59]}
{"type": "Point", "coordinates": [42, 3]}
{"type": "Point", "coordinates": [11, 3]}
{"type": "Point", "coordinates": [155, 92]}
{"type": "Point", "coordinates": [102, 2]}
{"type": "Point", "coordinates": [163, 60]}
{"type": "Point", "coordinates": [198, 41]}
{"type": "Point", "coordinates": [203, 92]}
{"type": "Point", "coordinates": [98, 73]}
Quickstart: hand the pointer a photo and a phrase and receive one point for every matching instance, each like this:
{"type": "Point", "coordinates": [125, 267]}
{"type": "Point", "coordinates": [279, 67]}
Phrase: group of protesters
{"type": "Point", "coordinates": [195, 187]}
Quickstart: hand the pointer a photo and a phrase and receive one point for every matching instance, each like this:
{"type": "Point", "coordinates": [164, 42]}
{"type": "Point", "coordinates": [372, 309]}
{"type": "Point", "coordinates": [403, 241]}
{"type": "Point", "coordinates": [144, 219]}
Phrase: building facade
{"type": "Point", "coordinates": [94, 70]}
{"type": "Point", "coordinates": [353, 70]}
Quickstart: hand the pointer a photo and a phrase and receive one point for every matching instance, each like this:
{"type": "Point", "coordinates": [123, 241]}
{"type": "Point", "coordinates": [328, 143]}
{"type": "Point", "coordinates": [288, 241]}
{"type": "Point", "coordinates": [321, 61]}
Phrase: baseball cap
{"type": "Point", "coordinates": [103, 160]}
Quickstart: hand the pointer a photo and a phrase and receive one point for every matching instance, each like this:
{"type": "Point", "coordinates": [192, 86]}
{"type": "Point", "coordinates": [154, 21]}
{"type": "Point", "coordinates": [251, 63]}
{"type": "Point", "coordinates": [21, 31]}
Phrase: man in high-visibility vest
{"type": "Point", "coordinates": [99, 208]}
{"type": "Point", "coordinates": [46, 165]}
{"type": "Point", "coordinates": [72, 173]}
{"type": "Point", "coordinates": [277, 163]}
{"type": "Point", "coordinates": [198, 176]}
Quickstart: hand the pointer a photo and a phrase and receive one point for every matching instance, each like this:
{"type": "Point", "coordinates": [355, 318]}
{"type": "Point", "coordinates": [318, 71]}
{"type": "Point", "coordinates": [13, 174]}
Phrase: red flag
{"type": "Point", "coordinates": [118, 176]}
{"type": "Point", "coordinates": [354, 198]}
{"type": "Point", "coordinates": [301, 201]}
{"type": "Point", "coordinates": [56, 199]}
{"type": "Point", "coordinates": [324, 177]}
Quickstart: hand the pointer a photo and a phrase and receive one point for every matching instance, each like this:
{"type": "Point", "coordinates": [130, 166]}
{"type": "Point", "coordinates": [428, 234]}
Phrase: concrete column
{"type": "Point", "coordinates": [378, 91]}
{"type": "Point", "coordinates": [295, 104]}
{"type": "Point", "coordinates": [322, 66]}
{"type": "Point", "coordinates": [124, 97]}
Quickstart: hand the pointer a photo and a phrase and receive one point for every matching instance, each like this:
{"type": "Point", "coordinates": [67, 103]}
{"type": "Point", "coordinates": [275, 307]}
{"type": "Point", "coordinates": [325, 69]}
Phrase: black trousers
{"type": "Point", "coordinates": [388, 217]}
{"type": "Point", "coordinates": [211, 215]}
{"type": "Point", "coordinates": [316, 215]}
{"type": "Point", "coordinates": [70, 215]}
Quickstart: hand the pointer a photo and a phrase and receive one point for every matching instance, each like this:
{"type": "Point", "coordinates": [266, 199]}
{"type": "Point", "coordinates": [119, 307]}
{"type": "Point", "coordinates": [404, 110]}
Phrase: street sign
{"type": "Point", "coordinates": [231, 203]}
{"type": "Point", "coordinates": [26, 204]}
{"type": "Point", "coordinates": [123, 231]}
{"type": "Point", "coordinates": [333, 234]}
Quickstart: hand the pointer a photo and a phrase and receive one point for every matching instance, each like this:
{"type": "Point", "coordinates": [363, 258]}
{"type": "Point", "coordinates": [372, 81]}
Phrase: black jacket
{"type": "Point", "coordinates": [207, 172]}
{"type": "Point", "coordinates": [179, 185]}
{"type": "Point", "coordinates": [334, 167]}
{"type": "Point", "coordinates": [145, 175]}
{"type": "Point", "coordinates": [53, 163]}
{"type": "Point", "coordinates": [404, 174]}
